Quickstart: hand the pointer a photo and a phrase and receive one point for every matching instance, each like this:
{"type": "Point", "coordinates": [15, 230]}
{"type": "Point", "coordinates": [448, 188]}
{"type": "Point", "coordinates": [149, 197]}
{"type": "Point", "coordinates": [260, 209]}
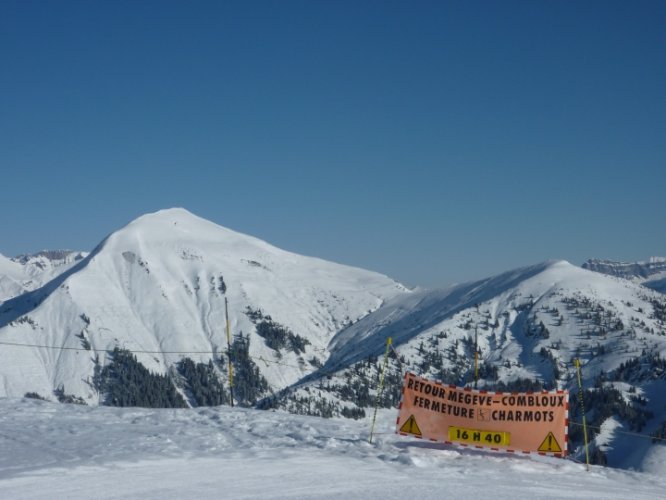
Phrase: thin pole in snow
{"type": "Point", "coordinates": [582, 408]}
{"type": "Point", "coordinates": [476, 356]}
{"type": "Point", "coordinates": [380, 390]}
{"type": "Point", "coordinates": [230, 365]}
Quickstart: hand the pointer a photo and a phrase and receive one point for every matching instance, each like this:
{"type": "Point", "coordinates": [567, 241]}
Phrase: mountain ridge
{"type": "Point", "coordinates": [650, 273]}
{"type": "Point", "coordinates": [27, 272]}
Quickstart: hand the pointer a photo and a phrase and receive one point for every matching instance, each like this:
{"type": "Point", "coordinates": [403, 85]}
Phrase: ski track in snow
{"type": "Point", "coordinates": [51, 450]}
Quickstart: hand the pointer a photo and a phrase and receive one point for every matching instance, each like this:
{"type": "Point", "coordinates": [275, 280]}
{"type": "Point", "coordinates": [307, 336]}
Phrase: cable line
{"type": "Point", "coordinates": [141, 351]}
{"type": "Point", "coordinates": [63, 348]}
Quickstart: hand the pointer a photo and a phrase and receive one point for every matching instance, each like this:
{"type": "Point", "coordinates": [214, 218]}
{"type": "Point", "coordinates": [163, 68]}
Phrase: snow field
{"type": "Point", "coordinates": [50, 450]}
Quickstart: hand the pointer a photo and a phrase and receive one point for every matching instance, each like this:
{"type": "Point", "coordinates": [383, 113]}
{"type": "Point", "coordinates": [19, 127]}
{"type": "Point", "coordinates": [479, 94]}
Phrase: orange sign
{"type": "Point", "coordinates": [515, 422]}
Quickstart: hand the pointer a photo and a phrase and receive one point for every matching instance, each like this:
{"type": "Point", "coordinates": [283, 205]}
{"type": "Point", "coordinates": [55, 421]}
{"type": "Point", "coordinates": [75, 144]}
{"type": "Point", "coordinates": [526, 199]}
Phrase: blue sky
{"type": "Point", "coordinates": [435, 142]}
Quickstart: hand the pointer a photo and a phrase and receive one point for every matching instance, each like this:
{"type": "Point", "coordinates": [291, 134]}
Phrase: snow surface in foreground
{"type": "Point", "coordinates": [51, 451]}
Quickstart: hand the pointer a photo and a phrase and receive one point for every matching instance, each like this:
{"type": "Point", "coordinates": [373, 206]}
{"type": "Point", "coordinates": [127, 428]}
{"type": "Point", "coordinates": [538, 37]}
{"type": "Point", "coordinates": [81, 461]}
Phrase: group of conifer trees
{"type": "Point", "coordinates": [124, 381]}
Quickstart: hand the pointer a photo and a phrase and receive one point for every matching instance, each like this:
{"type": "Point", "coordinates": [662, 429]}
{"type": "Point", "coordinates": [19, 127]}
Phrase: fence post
{"type": "Point", "coordinates": [582, 408]}
{"type": "Point", "coordinates": [230, 365]}
{"type": "Point", "coordinates": [380, 390]}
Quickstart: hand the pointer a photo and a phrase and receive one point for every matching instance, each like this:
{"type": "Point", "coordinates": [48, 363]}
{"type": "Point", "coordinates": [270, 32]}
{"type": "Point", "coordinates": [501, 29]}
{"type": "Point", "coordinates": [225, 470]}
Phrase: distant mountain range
{"type": "Point", "coordinates": [650, 273]}
{"type": "Point", "coordinates": [140, 321]}
{"type": "Point", "coordinates": [30, 271]}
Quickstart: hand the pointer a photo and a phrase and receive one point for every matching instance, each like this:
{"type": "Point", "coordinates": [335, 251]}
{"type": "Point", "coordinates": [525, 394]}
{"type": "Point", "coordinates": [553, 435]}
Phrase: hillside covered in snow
{"type": "Point", "coordinates": [530, 325]}
{"type": "Point", "coordinates": [141, 321]}
{"type": "Point", "coordinates": [158, 287]}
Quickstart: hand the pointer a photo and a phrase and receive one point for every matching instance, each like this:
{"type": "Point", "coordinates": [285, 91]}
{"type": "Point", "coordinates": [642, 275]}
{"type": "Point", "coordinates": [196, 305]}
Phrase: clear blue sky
{"type": "Point", "coordinates": [435, 142]}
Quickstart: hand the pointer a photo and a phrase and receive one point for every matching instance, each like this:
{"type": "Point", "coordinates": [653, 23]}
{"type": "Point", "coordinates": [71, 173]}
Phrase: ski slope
{"type": "Point", "coordinates": [410, 318]}
{"type": "Point", "coordinates": [50, 450]}
{"type": "Point", "coordinates": [531, 324]}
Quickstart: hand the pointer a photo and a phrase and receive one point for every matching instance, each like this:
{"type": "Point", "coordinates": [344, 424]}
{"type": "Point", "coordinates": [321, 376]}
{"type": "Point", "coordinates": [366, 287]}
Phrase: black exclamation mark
{"type": "Point", "coordinates": [550, 442]}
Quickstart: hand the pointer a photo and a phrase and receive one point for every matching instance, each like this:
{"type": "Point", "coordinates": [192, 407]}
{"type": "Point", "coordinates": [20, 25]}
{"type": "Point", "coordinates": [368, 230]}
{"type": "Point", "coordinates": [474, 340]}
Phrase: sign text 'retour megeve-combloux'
{"type": "Point", "coordinates": [527, 422]}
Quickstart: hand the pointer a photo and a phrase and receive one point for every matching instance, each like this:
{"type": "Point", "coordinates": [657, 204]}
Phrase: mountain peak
{"type": "Point", "coordinates": [176, 226]}
{"type": "Point", "coordinates": [558, 264]}
{"type": "Point", "coordinates": [170, 216]}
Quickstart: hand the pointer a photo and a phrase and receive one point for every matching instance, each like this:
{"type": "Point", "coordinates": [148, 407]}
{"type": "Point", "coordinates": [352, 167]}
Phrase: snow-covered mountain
{"type": "Point", "coordinates": [531, 324]}
{"type": "Point", "coordinates": [650, 273]}
{"type": "Point", "coordinates": [309, 335]}
{"type": "Point", "coordinates": [159, 286]}
{"type": "Point", "coordinates": [12, 278]}
{"type": "Point", "coordinates": [28, 272]}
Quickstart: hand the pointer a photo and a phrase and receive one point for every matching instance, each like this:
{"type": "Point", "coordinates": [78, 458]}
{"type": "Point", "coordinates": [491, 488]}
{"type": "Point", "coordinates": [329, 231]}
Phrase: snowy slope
{"type": "Point", "coordinates": [66, 451]}
{"type": "Point", "coordinates": [424, 310]}
{"type": "Point", "coordinates": [507, 299]}
{"type": "Point", "coordinates": [531, 324]}
{"type": "Point", "coordinates": [159, 285]}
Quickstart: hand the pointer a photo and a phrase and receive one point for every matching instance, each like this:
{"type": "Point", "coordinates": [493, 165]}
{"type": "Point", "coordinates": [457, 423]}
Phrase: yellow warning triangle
{"type": "Point", "coordinates": [550, 444]}
{"type": "Point", "coordinates": [411, 427]}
